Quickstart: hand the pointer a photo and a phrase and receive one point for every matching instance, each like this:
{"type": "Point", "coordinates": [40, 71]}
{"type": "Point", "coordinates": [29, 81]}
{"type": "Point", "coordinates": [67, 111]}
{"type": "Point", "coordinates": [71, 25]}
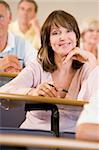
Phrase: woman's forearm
{"type": "Point", "coordinates": [88, 131]}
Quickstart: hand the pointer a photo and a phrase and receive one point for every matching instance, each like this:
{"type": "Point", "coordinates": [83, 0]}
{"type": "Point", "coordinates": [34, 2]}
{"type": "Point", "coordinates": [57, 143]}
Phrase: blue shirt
{"type": "Point", "coordinates": [21, 48]}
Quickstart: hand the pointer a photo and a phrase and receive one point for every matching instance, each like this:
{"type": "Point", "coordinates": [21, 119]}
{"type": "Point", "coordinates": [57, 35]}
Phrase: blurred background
{"type": "Point", "coordinates": [81, 9]}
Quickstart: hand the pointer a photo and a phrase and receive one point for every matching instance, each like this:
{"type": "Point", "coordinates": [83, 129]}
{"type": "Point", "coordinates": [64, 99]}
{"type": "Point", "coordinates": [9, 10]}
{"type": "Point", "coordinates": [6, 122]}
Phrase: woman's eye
{"type": "Point", "coordinates": [91, 30]}
{"type": "Point", "coordinates": [69, 31]}
{"type": "Point", "coordinates": [55, 33]}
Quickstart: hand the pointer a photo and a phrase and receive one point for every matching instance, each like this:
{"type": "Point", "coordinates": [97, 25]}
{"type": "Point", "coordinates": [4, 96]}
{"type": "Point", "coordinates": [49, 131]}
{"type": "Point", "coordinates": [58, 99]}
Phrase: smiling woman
{"type": "Point", "coordinates": [58, 35]}
{"type": "Point", "coordinates": [55, 71]}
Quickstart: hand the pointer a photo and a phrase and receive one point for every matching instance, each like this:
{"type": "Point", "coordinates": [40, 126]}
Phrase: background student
{"type": "Point", "coordinates": [27, 25]}
{"type": "Point", "coordinates": [15, 52]}
{"type": "Point", "coordinates": [88, 122]}
{"type": "Point", "coordinates": [90, 37]}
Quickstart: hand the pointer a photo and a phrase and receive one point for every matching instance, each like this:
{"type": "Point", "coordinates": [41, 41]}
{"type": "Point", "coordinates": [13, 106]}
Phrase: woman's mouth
{"type": "Point", "coordinates": [64, 44]}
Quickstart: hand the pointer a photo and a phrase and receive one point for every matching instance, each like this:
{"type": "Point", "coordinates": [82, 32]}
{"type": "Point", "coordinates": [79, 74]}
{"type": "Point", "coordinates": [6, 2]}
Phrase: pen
{"type": "Point", "coordinates": [18, 58]}
{"type": "Point", "coordinates": [63, 90]}
{"type": "Point", "coordinates": [52, 86]}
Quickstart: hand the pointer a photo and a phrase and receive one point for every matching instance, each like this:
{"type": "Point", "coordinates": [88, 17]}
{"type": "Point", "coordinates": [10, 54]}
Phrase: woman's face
{"type": "Point", "coordinates": [62, 40]}
{"type": "Point", "coordinates": [91, 36]}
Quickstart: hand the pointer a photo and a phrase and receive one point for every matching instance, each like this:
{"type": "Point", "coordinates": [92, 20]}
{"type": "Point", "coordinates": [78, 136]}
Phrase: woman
{"type": "Point", "coordinates": [61, 66]}
{"type": "Point", "coordinates": [90, 37]}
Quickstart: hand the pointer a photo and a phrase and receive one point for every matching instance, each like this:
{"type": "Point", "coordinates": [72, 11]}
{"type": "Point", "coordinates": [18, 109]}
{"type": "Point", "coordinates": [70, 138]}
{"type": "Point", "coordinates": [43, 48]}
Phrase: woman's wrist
{"type": "Point", "coordinates": [28, 93]}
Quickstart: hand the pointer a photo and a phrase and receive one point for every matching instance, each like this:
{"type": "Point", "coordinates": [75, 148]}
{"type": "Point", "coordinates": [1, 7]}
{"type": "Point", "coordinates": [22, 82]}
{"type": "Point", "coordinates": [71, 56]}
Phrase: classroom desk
{"type": "Point", "coordinates": [7, 74]}
{"type": "Point", "coordinates": [17, 99]}
{"type": "Point", "coordinates": [41, 99]}
{"type": "Point", "coordinates": [5, 77]}
{"type": "Point", "coordinates": [46, 142]}
{"type": "Point", "coordinates": [13, 121]}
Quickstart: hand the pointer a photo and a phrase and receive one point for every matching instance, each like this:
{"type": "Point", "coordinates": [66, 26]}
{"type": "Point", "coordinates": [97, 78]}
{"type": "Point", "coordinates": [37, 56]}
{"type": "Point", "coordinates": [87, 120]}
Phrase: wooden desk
{"type": "Point", "coordinates": [6, 77]}
{"type": "Point", "coordinates": [40, 99]}
{"type": "Point", "coordinates": [46, 142]}
{"type": "Point", "coordinates": [16, 99]}
{"type": "Point", "coordinates": [6, 74]}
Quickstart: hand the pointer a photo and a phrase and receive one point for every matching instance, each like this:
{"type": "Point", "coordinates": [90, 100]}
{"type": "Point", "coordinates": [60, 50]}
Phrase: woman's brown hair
{"type": "Point", "coordinates": [46, 53]}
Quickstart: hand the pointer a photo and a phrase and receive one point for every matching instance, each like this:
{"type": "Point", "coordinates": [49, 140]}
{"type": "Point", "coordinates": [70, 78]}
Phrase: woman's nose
{"type": "Point", "coordinates": [62, 36]}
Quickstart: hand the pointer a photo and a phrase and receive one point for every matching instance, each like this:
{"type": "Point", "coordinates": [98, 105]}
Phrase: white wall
{"type": "Point", "coordinates": [80, 9]}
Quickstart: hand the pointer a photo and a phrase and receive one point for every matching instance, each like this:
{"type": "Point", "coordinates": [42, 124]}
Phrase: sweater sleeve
{"type": "Point", "coordinates": [29, 77]}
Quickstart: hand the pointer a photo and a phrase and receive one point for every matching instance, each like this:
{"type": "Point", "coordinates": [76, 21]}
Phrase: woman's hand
{"type": "Point", "coordinates": [44, 89]}
{"type": "Point", "coordinates": [82, 56]}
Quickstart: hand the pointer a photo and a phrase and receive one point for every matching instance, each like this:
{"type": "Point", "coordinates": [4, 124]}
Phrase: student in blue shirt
{"type": "Point", "coordinates": [15, 52]}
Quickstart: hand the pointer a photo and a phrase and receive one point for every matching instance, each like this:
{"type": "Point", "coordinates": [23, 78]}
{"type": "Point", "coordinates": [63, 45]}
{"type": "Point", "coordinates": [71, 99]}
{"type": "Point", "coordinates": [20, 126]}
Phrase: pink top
{"type": "Point", "coordinates": [33, 75]}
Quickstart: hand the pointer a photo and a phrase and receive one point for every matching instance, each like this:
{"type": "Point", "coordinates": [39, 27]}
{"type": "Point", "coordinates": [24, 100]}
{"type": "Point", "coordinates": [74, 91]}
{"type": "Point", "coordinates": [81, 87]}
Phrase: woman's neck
{"type": "Point", "coordinates": [62, 77]}
{"type": "Point", "coordinates": [62, 80]}
{"type": "Point", "coordinates": [91, 48]}
{"type": "Point", "coordinates": [59, 61]}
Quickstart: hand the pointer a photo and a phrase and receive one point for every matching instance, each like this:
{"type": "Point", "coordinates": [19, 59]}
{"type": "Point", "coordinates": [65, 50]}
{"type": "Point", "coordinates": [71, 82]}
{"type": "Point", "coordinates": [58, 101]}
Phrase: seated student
{"type": "Point", "coordinates": [15, 52]}
{"type": "Point", "coordinates": [62, 66]}
{"type": "Point", "coordinates": [27, 25]}
{"type": "Point", "coordinates": [90, 37]}
{"type": "Point", "coordinates": [88, 123]}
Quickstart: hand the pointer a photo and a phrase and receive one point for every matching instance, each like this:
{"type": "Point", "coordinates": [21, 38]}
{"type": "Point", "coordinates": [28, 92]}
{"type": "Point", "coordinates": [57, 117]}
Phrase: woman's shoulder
{"type": "Point", "coordinates": [85, 71]}
{"type": "Point", "coordinates": [36, 69]}
{"type": "Point", "coordinates": [34, 65]}
{"type": "Point", "coordinates": [95, 73]}
{"type": "Point", "coordinates": [90, 63]}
